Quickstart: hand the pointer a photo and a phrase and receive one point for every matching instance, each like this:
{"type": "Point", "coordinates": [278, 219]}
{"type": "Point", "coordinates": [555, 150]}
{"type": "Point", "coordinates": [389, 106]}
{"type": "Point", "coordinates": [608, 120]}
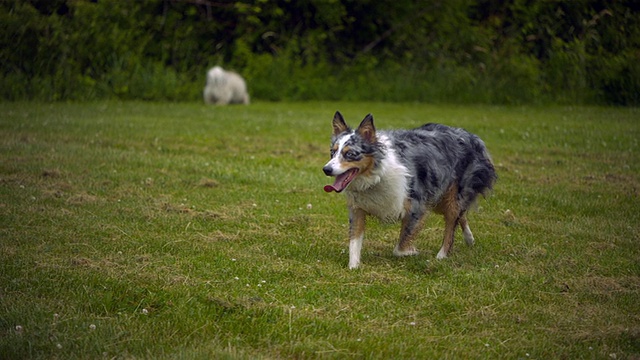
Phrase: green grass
{"type": "Point", "coordinates": [147, 230]}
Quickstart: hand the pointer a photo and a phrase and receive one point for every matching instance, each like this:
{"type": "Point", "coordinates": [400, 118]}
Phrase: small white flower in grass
{"type": "Point", "coordinates": [309, 206]}
{"type": "Point", "coordinates": [233, 259]}
{"type": "Point", "coordinates": [19, 328]}
{"type": "Point", "coordinates": [263, 281]}
{"type": "Point", "coordinates": [413, 323]}
{"type": "Point", "coordinates": [145, 312]}
{"type": "Point", "coordinates": [293, 307]}
{"type": "Point", "coordinates": [237, 278]}
{"type": "Point", "coordinates": [358, 339]}
{"type": "Point", "coordinates": [59, 346]}
{"type": "Point", "coordinates": [486, 345]}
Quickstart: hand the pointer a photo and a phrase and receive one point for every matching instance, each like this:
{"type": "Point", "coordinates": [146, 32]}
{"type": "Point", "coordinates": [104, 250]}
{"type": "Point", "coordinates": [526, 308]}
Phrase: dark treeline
{"type": "Point", "coordinates": [481, 51]}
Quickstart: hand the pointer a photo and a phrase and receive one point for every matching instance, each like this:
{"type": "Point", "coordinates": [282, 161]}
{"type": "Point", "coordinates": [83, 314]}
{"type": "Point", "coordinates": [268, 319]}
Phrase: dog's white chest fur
{"type": "Point", "coordinates": [383, 193]}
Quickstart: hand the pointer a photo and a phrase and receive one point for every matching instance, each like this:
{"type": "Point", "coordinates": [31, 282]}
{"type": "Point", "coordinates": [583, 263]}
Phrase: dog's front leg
{"type": "Point", "coordinates": [411, 225]}
{"type": "Point", "coordinates": [356, 235]}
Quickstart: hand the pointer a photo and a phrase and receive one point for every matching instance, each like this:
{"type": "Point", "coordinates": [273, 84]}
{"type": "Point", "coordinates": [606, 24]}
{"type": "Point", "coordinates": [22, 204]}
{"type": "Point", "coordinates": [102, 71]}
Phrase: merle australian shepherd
{"type": "Point", "coordinates": [404, 174]}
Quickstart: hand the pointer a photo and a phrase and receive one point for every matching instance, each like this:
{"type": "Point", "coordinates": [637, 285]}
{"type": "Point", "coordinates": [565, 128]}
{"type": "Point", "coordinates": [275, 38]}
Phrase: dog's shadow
{"type": "Point", "coordinates": [419, 264]}
{"type": "Point", "coordinates": [424, 264]}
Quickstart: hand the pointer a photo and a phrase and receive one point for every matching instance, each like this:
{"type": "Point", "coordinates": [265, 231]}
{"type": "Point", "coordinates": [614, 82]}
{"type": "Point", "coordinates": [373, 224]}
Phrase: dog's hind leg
{"type": "Point", "coordinates": [466, 231]}
{"type": "Point", "coordinates": [411, 225]}
{"type": "Point", "coordinates": [450, 208]}
{"type": "Point", "coordinates": [356, 236]}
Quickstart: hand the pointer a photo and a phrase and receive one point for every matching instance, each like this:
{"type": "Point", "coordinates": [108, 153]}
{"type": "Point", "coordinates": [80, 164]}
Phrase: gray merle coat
{"type": "Point", "coordinates": [404, 174]}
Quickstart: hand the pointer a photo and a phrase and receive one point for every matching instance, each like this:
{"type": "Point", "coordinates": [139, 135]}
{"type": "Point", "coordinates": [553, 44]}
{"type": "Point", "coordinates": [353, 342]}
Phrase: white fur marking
{"type": "Point", "coordinates": [336, 161]}
{"type": "Point", "coordinates": [355, 247]}
{"type": "Point", "coordinates": [382, 193]}
{"type": "Point", "coordinates": [441, 254]}
{"type": "Point", "coordinates": [468, 235]}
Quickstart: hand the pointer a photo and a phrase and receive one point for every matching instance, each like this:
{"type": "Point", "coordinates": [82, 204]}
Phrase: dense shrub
{"type": "Point", "coordinates": [442, 51]}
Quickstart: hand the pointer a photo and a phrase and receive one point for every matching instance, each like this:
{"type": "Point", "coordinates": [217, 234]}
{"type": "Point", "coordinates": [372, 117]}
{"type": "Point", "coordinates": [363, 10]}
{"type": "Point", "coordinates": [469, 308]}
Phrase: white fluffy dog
{"type": "Point", "coordinates": [225, 87]}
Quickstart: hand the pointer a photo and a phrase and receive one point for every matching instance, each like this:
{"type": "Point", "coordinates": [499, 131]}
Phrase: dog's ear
{"type": "Point", "coordinates": [367, 130]}
{"type": "Point", "coordinates": [339, 126]}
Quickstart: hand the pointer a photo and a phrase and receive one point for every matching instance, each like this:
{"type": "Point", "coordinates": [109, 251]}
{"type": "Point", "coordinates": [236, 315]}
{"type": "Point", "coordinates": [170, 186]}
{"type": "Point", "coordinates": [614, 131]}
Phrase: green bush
{"type": "Point", "coordinates": [618, 79]}
{"type": "Point", "coordinates": [465, 51]}
{"type": "Point", "coordinates": [566, 75]}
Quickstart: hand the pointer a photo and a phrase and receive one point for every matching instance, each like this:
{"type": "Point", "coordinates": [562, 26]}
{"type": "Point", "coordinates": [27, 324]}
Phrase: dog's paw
{"type": "Point", "coordinates": [441, 254]}
{"type": "Point", "coordinates": [408, 252]}
{"type": "Point", "coordinates": [353, 266]}
{"type": "Point", "coordinates": [468, 237]}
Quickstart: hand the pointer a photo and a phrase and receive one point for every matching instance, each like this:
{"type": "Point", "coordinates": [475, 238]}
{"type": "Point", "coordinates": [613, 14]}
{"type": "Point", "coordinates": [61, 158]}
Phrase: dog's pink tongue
{"type": "Point", "coordinates": [329, 188]}
{"type": "Point", "coordinates": [339, 184]}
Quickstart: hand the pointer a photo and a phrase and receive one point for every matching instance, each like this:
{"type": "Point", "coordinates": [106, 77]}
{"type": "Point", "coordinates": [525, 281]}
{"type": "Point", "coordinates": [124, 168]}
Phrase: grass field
{"type": "Point", "coordinates": [147, 230]}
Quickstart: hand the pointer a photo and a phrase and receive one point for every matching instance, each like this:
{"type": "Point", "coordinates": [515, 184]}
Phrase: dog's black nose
{"type": "Point", "coordinates": [328, 170]}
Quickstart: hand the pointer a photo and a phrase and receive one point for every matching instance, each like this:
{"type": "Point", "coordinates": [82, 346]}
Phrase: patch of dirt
{"type": "Point", "coordinates": [208, 183]}
{"type": "Point", "coordinates": [82, 198]}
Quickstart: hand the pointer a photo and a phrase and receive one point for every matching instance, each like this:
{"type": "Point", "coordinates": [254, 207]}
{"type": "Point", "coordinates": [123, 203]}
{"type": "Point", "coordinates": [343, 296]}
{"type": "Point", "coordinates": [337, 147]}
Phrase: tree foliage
{"type": "Point", "coordinates": [442, 50]}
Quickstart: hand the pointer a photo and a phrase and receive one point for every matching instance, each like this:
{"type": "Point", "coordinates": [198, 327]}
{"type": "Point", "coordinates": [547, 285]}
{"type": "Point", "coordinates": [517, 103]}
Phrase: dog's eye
{"type": "Point", "coordinates": [351, 154]}
{"type": "Point", "coordinates": [333, 152]}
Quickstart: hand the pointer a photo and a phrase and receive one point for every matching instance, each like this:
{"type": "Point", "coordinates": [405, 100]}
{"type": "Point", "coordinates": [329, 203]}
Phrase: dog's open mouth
{"type": "Point", "coordinates": [342, 181]}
